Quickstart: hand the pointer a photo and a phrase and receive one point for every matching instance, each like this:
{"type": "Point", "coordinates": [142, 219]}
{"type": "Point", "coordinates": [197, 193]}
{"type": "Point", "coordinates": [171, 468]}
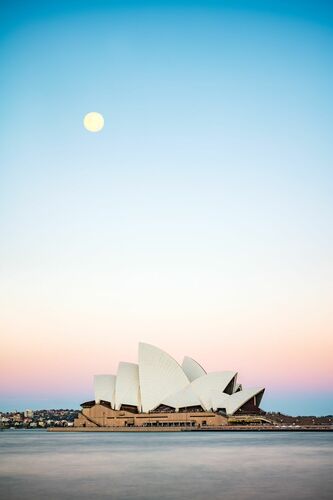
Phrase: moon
{"type": "Point", "coordinates": [93, 121]}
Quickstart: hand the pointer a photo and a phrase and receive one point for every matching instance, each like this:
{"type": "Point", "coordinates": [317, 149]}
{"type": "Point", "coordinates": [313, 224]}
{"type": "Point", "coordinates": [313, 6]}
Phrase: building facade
{"type": "Point", "coordinates": [159, 392]}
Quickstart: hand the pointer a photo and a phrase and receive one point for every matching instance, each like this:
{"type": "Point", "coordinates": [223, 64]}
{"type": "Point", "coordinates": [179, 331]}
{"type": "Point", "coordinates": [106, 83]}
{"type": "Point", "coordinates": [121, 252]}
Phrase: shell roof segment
{"type": "Point", "coordinates": [192, 368]}
{"type": "Point", "coordinates": [104, 388]}
{"type": "Point", "coordinates": [237, 400]}
{"type": "Point", "coordinates": [160, 376]}
{"type": "Point", "coordinates": [183, 399]}
{"type": "Point", "coordinates": [208, 387]}
{"type": "Point", "coordinates": [127, 386]}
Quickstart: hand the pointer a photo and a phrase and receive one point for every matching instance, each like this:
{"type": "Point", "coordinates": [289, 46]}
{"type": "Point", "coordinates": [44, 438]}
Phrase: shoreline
{"type": "Point", "coordinates": [179, 429]}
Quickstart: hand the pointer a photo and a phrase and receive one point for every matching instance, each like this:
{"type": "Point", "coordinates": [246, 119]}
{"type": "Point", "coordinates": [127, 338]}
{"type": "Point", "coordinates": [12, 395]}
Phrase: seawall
{"type": "Point", "coordinates": [225, 428]}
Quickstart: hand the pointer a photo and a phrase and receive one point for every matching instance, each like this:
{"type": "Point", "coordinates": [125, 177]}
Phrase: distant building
{"type": "Point", "coordinates": [28, 413]}
{"type": "Point", "coordinates": [159, 392]}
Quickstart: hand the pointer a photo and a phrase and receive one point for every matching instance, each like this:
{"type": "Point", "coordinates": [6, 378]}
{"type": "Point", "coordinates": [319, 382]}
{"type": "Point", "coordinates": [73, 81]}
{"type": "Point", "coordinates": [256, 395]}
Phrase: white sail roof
{"type": "Point", "coordinates": [160, 376]}
{"type": "Point", "coordinates": [127, 386]}
{"type": "Point", "coordinates": [237, 400]}
{"type": "Point", "coordinates": [182, 399]}
{"type": "Point", "coordinates": [104, 388]}
{"type": "Point", "coordinates": [209, 386]}
{"type": "Point", "coordinates": [192, 369]}
{"type": "Point", "coordinates": [159, 379]}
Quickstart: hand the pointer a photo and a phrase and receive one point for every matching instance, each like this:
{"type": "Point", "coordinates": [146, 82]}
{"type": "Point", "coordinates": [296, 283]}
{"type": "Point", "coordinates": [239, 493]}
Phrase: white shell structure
{"type": "Point", "coordinates": [237, 400]}
{"type": "Point", "coordinates": [104, 388]}
{"type": "Point", "coordinates": [182, 399]}
{"type": "Point", "coordinates": [192, 369]}
{"type": "Point", "coordinates": [158, 379]}
{"type": "Point", "coordinates": [210, 386]}
{"type": "Point", "coordinates": [127, 386]}
{"type": "Point", "coordinates": [160, 376]}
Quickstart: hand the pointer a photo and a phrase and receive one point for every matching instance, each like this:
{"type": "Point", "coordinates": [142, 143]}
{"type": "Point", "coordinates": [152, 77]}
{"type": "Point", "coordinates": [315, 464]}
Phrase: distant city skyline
{"type": "Point", "coordinates": [199, 219]}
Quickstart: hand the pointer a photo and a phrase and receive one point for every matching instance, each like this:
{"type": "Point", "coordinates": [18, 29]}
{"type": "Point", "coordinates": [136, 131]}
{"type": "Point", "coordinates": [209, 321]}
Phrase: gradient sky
{"type": "Point", "coordinates": [198, 220]}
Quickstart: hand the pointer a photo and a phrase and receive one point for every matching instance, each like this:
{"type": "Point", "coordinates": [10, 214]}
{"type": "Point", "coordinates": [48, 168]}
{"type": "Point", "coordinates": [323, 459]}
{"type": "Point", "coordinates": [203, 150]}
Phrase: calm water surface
{"type": "Point", "coordinates": [197, 466]}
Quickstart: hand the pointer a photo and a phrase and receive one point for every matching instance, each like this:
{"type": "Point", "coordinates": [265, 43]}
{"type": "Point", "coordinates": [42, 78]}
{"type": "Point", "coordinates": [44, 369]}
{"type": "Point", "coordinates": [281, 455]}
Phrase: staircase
{"type": "Point", "coordinates": [92, 420]}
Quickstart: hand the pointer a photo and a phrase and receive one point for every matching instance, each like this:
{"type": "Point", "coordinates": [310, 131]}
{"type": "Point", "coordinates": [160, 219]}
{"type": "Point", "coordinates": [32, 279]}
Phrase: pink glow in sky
{"type": "Point", "coordinates": [72, 335]}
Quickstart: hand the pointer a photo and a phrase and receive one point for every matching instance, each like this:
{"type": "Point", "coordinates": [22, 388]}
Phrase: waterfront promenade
{"type": "Point", "coordinates": [224, 428]}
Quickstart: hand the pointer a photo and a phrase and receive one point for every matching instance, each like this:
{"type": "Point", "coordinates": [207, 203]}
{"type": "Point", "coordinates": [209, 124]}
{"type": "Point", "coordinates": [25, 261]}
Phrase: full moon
{"type": "Point", "coordinates": [94, 122]}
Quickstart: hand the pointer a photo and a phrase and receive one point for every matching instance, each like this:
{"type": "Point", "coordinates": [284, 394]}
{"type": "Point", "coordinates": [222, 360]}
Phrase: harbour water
{"type": "Point", "coordinates": [160, 466]}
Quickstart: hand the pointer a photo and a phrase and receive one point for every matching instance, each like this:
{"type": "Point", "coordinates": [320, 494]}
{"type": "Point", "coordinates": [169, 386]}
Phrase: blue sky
{"type": "Point", "coordinates": [205, 205]}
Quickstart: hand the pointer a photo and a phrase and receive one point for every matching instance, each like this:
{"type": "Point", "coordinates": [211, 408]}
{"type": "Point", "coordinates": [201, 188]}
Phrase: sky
{"type": "Point", "coordinates": [198, 220]}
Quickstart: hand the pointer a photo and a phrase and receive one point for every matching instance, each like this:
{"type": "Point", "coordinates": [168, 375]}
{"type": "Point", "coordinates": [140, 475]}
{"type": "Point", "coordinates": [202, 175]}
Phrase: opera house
{"type": "Point", "coordinates": [159, 392]}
